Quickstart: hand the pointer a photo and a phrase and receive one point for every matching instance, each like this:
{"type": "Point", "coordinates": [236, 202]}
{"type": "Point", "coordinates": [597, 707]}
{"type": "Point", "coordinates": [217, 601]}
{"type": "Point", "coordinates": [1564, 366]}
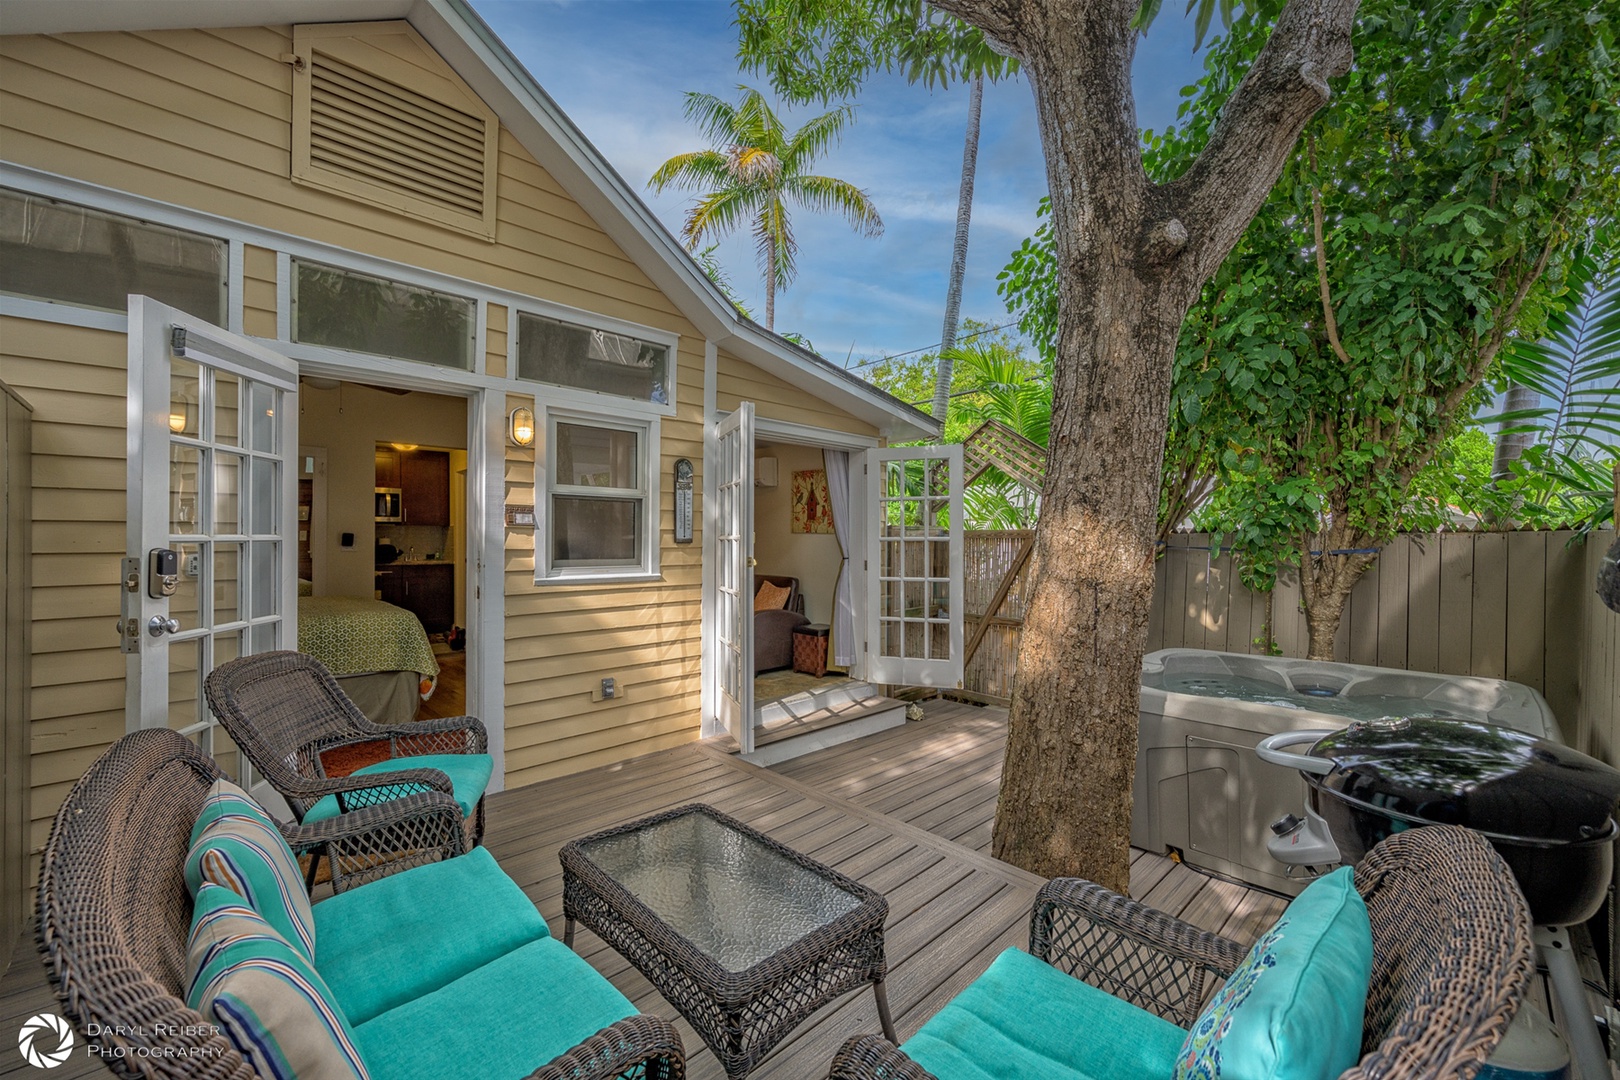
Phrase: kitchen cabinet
{"type": "Point", "coordinates": [424, 482]}
{"type": "Point", "coordinates": [387, 468]}
{"type": "Point", "coordinates": [423, 479]}
{"type": "Point", "coordinates": [426, 590]}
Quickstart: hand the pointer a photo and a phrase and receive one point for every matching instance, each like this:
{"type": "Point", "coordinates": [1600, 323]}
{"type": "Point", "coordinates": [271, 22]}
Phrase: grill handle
{"type": "Point", "coordinates": [1272, 749]}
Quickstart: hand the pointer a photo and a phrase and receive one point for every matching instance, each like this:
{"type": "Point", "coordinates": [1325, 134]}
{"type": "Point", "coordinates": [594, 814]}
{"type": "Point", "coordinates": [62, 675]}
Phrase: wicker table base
{"type": "Point", "coordinates": [743, 936]}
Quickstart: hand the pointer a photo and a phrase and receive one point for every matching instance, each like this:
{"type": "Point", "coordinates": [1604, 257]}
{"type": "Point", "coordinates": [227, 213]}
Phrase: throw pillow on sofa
{"type": "Point", "coordinates": [235, 845]}
{"type": "Point", "coordinates": [263, 995]}
{"type": "Point", "coordinates": [771, 597]}
{"type": "Point", "coordinates": [1294, 1008]}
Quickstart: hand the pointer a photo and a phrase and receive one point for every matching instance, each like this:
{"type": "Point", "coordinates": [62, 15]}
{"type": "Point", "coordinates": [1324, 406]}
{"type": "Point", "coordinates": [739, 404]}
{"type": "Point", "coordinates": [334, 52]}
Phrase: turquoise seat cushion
{"type": "Point", "coordinates": [1293, 1009]}
{"type": "Point", "coordinates": [468, 773]}
{"type": "Point", "coordinates": [262, 994]}
{"type": "Point", "coordinates": [235, 845]}
{"type": "Point", "coordinates": [501, 1022]}
{"type": "Point", "coordinates": [409, 934]}
{"type": "Point", "coordinates": [1024, 1018]}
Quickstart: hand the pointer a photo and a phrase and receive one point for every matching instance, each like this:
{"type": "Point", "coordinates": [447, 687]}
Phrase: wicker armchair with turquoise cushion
{"type": "Point", "coordinates": [284, 711]}
{"type": "Point", "coordinates": [1411, 968]}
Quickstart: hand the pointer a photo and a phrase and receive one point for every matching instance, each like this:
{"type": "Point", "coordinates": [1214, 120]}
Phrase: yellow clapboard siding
{"type": "Point", "coordinates": [60, 504]}
{"type": "Point", "coordinates": [79, 700]}
{"type": "Point", "coordinates": [622, 641]}
{"type": "Point", "coordinates": [777, 399]}
{"type": "Point", "coordinates": [259, 291]}
{"type": "Point", "coordinates": [547, 689]}
{"type": "Point", "coordinates": [567, 766]}
{"type": "Point", "coordinates": [70, 472]}
{"type": "Point", "coordinates": [76, 602]}
{"type": "Point", "coordinates": [75, 537]}
{"type": "Point", "coordinates": [585, 669]}
{"type": "Point", "coordinates": [569, 717]}
{"type": "Point", "coordinates": [73, 732]}
{"type": "Point", "coordinates": [67, 634]}
{"type": "Point", "coordinates": [591, 740]}
{"type": "Point", "coordinates": [80, 441]}
{"type": "Point", "coordinates": [81, 665]}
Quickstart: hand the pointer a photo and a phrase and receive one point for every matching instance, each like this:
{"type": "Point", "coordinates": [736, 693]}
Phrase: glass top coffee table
{"type": "Point", "coordinates": [744, 936]}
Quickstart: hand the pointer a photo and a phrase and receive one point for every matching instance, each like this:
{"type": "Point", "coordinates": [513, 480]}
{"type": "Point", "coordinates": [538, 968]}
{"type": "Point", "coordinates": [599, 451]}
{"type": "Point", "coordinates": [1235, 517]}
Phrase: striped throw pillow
{"type": "Point", "coordinates": [264, 996]}
{"type": "Point", "coordinates": [235, 844]}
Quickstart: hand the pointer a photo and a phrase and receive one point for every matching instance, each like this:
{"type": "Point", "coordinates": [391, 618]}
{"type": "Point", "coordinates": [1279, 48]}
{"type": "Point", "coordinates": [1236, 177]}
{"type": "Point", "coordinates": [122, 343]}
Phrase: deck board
{"type": "Point", "coordinates": [887, 810]}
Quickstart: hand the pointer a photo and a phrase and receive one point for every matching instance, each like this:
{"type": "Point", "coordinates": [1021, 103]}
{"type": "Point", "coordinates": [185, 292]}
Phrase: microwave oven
{"type": "Point", "coordinates": [389, 505]}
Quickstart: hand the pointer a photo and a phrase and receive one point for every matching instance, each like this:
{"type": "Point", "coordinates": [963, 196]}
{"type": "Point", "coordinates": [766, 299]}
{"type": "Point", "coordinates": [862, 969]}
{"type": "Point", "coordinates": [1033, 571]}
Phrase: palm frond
{"type": "Point", "coordinates": [831, 195]}
{"type": "Point", "coordinates": [717, 213]}
{"type": "Point", "coordinates": [774, 243]}
{"type": "Point", "coordinates": [812, 140]}
{"type": "Point", "coordinates": [715, 117]}
{"type": "Point", "coordinates": [685, 172]}
{"type": "Point", "coordinates": [1575, 366]}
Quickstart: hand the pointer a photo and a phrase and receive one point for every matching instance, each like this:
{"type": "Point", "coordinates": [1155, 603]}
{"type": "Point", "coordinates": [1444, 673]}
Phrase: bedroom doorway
{"type": "Point", "coordinates": [394, 546]}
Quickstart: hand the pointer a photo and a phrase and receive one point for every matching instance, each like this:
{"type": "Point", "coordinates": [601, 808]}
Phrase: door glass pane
{"type": "Point", "coordinates": [186, 603]}
{"type": "Point", "coordinates": [185, 682]}
{"type": "Point", "coordinates": [227, 409]}
{"type": "Point", "coordinates": [262, 638]}
{"type": "Point", "coordinates": [185, 480]}
{"type": "Point", "coordinates": [227, 583]}
{"type": "Point", "coordinates": [266, 492]}
{"type": "Point", "coordinates": [263, 555]}
{"type": "Point", "coordinates": [184, 396]}
{"type": "Point", "coordinates": [262, 418]}
{"type": "Point", "coordinates": [227, 493]}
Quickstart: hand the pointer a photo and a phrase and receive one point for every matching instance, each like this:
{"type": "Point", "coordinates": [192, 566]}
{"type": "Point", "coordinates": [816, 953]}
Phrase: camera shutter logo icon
{"type": "Point", "coordinates": [37, 1036]}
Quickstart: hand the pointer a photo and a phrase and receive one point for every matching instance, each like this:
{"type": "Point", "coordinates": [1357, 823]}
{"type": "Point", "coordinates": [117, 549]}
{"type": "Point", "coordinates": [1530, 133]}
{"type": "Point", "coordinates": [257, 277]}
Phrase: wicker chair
{"type": "Point", "coordinates": [284, 710]}
{"type": "Point", "coordinates": [114, 913]}
{"type": "Point", "coordinates": [1452, 958]}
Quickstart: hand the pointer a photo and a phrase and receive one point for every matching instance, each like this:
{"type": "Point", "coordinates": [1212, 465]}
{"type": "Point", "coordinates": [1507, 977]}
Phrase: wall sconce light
{"type": "Point", "coordinates": [403, 447]}
{"type": "Point", "coordinates": [521, 426]}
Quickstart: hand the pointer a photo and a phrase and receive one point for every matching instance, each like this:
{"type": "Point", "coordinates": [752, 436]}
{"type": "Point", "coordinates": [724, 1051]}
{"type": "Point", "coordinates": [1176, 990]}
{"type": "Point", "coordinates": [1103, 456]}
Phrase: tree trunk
{"type": "Point", "coordinates": [1131, 256]}
{"type": "Point", "coordinates": [1330, 563]}
{"type": "Point", "coordinates": [770, 291]}
{"type": "Point", "coordinates": [964, 214]}
{"type": "Point", "coordinates": [1509, 445]}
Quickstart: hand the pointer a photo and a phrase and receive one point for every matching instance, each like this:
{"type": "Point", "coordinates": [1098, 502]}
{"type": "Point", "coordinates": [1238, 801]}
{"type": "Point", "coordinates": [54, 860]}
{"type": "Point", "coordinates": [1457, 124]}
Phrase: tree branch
{"type": "Point", "coordinates": [1331, 323]}
{"type": "Point", "coordinates": [1000, 20]}
{"type": "Point", "coordinates": [1260, 123]}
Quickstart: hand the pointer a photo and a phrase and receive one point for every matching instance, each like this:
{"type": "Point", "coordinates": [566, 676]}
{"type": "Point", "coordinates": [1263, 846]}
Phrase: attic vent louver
{"type": "Point", "coordinates": [379, 117]}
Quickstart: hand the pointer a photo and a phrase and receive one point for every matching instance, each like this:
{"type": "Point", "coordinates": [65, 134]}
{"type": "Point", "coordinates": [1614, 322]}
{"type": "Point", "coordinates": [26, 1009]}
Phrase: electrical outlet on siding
{"type": "Point", "coordinates": [601, 691]}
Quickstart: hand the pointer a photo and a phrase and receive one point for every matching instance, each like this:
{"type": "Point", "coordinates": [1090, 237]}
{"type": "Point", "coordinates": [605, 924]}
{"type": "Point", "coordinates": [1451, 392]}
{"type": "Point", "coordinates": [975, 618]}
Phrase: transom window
{"type": "Point", "coordinates": [345, 309]}
{"type": "Point", "coordinates": [600, 498]}
{"type": "Point", "coordinates": [565, 354]}
{"type": "Point", "coordinates": [68, 254]}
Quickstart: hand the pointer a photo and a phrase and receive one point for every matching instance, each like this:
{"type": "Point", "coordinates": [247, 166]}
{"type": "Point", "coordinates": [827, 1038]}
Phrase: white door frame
{"type": "Point", "coordinates": [777, 431]}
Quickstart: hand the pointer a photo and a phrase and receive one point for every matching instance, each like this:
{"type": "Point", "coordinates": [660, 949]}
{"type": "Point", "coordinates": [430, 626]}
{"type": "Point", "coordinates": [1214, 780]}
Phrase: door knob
{"type": "Point", "coordinates": [157, 626]}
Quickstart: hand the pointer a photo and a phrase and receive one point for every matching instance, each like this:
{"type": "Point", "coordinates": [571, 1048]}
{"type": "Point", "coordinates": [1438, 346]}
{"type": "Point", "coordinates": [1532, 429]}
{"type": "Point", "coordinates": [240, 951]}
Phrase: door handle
{"type": "Point", "coordinates": [157, 626]}
{"type": "Point", "coordinates": [752, 561]}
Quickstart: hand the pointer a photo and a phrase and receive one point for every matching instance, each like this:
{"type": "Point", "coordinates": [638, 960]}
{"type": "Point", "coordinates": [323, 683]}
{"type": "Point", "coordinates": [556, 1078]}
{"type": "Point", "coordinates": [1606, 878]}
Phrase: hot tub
{"type": "Point", "coordinates": [1200, 788]}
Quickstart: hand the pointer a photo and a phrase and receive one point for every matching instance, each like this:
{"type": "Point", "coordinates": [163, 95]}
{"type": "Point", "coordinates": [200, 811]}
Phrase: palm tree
{"type": "Point", "coordinates": [964, 213]}
{"type": "Point", "coordinates": [754, 168]}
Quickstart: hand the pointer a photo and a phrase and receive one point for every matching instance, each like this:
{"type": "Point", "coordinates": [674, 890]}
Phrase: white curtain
{"type": "Point", "coordinates": [843, 616]}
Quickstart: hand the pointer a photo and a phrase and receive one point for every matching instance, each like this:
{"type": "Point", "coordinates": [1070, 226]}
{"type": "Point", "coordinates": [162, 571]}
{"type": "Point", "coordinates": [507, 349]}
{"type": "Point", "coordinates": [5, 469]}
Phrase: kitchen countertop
{"type": "Point", "coordinates": [416, 562]}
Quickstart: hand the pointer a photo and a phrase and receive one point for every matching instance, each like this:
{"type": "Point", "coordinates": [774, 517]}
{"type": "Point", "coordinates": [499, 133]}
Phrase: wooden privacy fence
{"type": "Point", "coordinates": [1515, 605]}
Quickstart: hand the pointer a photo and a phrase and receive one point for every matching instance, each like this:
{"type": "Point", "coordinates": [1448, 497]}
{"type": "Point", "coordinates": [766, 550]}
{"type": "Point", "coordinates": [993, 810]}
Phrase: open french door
{"type": "Point", "coordinates": [914, 565]}
{"type": "Point", "coordinates": [210, 573]}
{"type": "Point", "coordinates": [734, 574]}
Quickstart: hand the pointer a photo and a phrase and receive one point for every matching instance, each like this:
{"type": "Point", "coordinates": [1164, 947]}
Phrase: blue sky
{"type": "Point", "coordinates": [620, 69]}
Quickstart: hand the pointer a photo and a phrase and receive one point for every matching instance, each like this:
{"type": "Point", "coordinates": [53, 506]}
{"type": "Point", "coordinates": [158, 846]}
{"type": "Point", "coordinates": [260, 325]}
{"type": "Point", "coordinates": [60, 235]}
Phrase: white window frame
{"type": "Point", "coordinates": [646, 429]}
{"type": "Point", "coordinates": [611, 404]}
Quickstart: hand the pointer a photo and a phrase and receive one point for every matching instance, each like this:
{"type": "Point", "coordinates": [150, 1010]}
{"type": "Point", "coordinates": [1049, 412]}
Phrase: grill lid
{"type": "Point", "coordinates": [1459, 772]}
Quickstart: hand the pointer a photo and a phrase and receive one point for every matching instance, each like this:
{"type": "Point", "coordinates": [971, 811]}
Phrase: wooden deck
{"type": "Point", "coordinates": [907, 811]}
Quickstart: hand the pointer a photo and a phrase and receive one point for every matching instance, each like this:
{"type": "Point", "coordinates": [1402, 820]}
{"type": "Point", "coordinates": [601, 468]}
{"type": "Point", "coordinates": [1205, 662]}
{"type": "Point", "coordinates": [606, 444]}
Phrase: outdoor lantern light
{"type": "Point", "coordinates": [522, 426]}
{"type": "Point", "coordinates": [177, 422]}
